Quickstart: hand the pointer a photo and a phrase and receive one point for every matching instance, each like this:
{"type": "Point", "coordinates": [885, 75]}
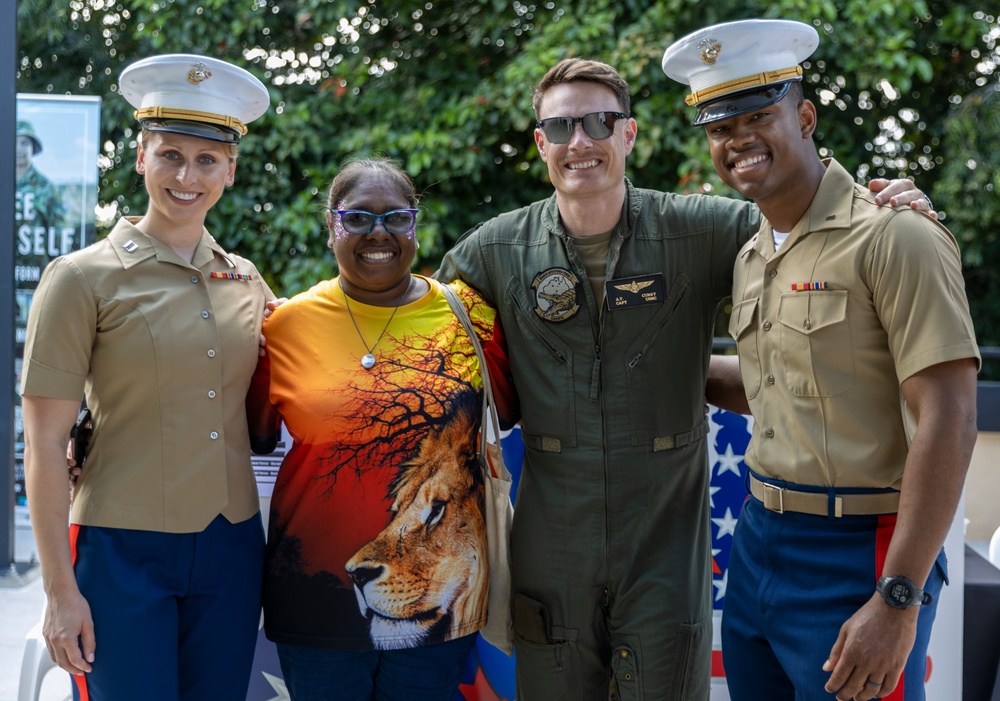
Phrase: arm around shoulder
{"type": "Point", "coordinates": [724, 388]}
{"type": "Point", "coordinates": [263, 420]}
{"type": "Point", "coordinates": [465, 262]}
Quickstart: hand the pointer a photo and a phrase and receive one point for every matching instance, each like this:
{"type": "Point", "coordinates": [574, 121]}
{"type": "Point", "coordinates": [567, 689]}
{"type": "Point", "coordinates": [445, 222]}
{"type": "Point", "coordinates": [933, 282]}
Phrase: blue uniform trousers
{"type": "Point", "coordinates": [175, 614]}
{"type": "Point", "coordinates": [426, 673]}
{"type": "Point", "coordinates": [794, 579]}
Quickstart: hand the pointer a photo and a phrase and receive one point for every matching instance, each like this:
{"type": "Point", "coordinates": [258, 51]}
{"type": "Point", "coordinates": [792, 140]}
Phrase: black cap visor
{"type": "Point", "coordinates": [198, 129]}
{"type": "Point", "coordinates": [740, 103]}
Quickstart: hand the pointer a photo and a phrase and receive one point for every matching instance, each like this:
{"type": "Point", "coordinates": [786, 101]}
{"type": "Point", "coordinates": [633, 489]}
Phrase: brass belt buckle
{"type": "Point", "coordinates": [770, 489]}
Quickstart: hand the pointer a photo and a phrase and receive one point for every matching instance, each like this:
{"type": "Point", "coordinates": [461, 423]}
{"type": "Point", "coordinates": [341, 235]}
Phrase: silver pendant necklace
{"type": "Point", "coordinates": [368, 359]}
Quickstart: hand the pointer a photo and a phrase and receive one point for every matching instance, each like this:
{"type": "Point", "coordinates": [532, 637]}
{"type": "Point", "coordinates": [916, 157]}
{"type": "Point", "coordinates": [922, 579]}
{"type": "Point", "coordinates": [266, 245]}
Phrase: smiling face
{"type": "Point", "coordinates": [25, 150]}
{"type": "Point", "coordinates": [768, 156]}
{"type": "Point", "coordinates": [185, 176]}
{"type": "Point", "coordinates": [585, 168]}
{"type": "Point", "coordinates": [374, 267]}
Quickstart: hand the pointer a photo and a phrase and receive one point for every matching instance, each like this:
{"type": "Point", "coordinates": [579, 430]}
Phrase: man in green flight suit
{"type": "Point", "coordinates": [608, 296]}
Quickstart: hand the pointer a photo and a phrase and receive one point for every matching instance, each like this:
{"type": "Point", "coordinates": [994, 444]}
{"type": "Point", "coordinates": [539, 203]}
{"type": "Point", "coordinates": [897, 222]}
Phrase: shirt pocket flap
{"type": "Point", "coordinates": [743, 317]}
{"type": "Point", "coordinates": [808, 312]}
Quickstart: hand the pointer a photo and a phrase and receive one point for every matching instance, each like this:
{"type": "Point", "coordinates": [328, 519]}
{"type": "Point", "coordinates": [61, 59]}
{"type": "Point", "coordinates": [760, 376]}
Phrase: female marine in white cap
{"type": "Point", "coordinates": [154, 592]}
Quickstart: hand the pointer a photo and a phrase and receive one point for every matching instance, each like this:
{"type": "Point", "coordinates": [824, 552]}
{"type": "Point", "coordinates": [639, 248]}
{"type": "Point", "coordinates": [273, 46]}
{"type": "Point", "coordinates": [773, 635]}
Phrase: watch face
{"type": "Point", "coordinates": [900, 592]}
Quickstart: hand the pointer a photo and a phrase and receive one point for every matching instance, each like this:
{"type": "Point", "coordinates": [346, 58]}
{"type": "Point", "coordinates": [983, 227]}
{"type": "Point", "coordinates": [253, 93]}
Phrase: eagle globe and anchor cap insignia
{"type": "Point", "coordinates": [199, 73]}
{"type": "Point", "coordinates": [709, 49]}
{"type": "Point", "coordinates": [556, 294]}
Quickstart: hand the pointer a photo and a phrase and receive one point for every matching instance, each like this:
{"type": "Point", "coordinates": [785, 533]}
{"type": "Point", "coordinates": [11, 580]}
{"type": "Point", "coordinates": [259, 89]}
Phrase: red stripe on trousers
{"type": "Point", "coordinates": [718, 671]}
{"type": "Point", "coordinates": [74, 533]}
{"type": "Point", "coordinates": [79, 679]}
{"type": "Point", "coordinates": [883, 535]}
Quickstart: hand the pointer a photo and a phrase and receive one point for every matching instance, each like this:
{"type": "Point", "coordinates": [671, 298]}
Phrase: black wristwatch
{"type": "Point", "coordinates": [901, 593]}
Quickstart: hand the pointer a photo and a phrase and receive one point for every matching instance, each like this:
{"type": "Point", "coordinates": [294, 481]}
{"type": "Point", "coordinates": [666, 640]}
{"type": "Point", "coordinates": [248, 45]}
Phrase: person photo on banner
{"type": "Point", "coordinates": [39, 212]}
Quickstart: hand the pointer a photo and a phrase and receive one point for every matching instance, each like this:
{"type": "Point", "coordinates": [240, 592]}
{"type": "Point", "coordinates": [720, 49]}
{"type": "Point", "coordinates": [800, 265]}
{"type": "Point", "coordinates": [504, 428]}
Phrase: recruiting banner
{"type": "Point", "coordinates": [56, 171]}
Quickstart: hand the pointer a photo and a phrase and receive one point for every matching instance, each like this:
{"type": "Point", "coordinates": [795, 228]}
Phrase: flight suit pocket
{"type": "Point", "coordinates": [553, 414]}
{"type": "Point", "coordinates": [693, 657]}
{"type": "Point", "coordinates": [816, 343]}
{"type": "Point", "coordinates": [645, 358]}
{"type": "Point", "coordinates": [625, 675]}
{"type": "Point", "coordinates": [547, 654]}
{"type": "Point", "coordinates": [742, 324]}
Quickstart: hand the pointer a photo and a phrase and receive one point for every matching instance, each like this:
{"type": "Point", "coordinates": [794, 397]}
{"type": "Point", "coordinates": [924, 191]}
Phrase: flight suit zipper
{"type": "Point", "coordinates": [613, 258]}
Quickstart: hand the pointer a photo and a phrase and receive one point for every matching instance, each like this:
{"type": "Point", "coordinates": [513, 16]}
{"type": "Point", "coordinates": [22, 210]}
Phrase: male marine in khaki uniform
{"type": "Point", "coordinates": [858, 360]}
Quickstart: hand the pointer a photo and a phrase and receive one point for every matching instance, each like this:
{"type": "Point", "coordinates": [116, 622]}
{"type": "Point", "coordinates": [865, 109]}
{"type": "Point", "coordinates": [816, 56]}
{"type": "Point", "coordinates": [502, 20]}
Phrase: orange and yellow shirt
{"type": "Point", "coordinates": [376, 536]}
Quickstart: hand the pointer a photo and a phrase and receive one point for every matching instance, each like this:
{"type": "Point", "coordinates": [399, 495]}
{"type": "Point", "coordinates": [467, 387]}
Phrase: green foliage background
{"type": "Point", "coordinates": [904, 88]}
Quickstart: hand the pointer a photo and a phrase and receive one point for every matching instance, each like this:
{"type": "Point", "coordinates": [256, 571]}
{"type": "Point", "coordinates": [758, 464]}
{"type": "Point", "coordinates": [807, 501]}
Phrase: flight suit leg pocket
{"type": "Point", "coordinates": [547, 657]}
{"type": "Point", "coordinates": [627, 685]}
{"type": "Point", "coordinates": [693, 660]}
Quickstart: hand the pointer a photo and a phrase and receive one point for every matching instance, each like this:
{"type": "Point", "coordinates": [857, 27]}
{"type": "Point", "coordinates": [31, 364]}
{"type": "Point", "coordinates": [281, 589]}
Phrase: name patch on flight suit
{"type": "Point", "coordinates": [557, 294]}
{"type": "Point", "coordinates": [634, 291]}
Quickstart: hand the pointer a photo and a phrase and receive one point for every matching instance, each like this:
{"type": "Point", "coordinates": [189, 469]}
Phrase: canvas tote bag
{"type": "Point", "coordinates": [498, 631]}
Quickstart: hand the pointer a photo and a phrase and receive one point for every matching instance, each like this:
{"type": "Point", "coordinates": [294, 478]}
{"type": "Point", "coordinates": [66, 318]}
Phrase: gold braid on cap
{"type": "Point", "coordinates": [751, 81]}
{"type": "Point", "coordinates": [219, 120]}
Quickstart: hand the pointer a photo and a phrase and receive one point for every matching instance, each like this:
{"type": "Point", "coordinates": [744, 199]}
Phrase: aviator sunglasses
{"type": "Point", "coordinates": [360, 222]}
{"type": "Point", "coordinates": [598, 125]}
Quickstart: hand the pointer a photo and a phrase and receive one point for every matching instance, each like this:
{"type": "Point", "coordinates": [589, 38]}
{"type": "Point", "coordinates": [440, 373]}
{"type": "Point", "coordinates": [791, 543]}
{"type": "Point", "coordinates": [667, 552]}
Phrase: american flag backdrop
{"type": "Point", "coordinates": [728, 437]}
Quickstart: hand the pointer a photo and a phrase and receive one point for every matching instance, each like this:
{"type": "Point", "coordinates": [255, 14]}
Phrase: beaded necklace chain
{"type": "Point", "coordinates": [368, 359]}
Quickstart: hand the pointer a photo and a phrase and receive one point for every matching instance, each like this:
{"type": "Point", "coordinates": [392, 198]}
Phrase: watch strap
{"type": "Point", "coordinates": [919, 597]}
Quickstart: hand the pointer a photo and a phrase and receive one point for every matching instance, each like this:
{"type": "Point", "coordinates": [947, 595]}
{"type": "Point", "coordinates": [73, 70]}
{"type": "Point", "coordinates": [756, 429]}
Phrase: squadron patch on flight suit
{"type": "Point", "coordinates": [557, 294]}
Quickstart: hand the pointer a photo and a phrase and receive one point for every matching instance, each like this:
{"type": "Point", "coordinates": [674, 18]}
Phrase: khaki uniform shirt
{"type": "Point", "coordinates": [165, 353]}
{"type": "Point", "coordinates": [822, 368]}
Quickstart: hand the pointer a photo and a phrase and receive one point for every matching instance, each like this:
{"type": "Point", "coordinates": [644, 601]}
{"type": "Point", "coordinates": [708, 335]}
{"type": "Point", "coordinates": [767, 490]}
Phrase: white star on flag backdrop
{"type": "Point", "coordinates": [728, 437]}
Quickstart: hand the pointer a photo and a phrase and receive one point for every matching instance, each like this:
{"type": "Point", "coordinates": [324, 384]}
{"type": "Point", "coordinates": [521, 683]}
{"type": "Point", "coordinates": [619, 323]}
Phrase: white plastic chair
{"type": "Point", "coordinates": [35, 663]}
{"type": "Point", "coordinates": [995, 548]}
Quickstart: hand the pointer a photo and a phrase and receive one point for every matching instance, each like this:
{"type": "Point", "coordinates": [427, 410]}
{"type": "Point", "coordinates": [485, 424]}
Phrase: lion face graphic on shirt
{"type": "Point", "coordinates": [428, 567]}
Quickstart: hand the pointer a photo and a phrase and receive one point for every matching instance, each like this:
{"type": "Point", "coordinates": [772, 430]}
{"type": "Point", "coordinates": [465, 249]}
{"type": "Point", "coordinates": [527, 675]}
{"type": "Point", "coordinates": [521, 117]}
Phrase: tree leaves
{"type": "Point", "coordinates": [445, 88]}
